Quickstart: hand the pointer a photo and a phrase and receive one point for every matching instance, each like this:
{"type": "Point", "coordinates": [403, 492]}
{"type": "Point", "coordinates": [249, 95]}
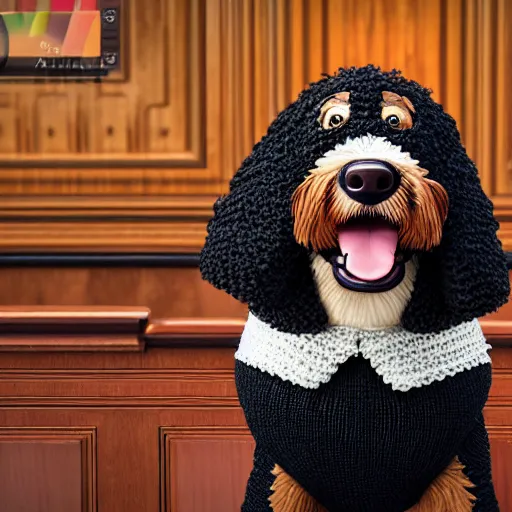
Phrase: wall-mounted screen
{"type": "Point", "coordinates": [59, 37]}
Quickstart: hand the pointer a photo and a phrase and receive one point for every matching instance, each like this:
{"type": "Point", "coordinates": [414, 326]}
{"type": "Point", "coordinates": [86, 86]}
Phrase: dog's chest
{"type": "Point", "coordinates": [355, 443]}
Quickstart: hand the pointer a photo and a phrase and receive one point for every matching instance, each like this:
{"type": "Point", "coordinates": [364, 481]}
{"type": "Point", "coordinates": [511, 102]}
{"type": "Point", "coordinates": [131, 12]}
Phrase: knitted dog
{"type": "Point", "coordinates": [358, 233]}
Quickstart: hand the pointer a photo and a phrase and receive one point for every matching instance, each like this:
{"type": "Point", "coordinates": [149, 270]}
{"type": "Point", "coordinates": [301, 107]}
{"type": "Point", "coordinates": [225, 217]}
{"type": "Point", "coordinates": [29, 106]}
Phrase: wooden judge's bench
{"type": "Point", "coordinates": [106, 410]}
{"type": "Point", "coordinates": [109, 410]}
{"type": "Point", "coordinates": [103, 189]}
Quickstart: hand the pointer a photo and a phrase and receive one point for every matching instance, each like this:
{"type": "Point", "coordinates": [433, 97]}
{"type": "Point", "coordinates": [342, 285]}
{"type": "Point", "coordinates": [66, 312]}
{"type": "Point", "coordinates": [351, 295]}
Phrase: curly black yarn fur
{"type": "Point", "coordinates": [251, 252]}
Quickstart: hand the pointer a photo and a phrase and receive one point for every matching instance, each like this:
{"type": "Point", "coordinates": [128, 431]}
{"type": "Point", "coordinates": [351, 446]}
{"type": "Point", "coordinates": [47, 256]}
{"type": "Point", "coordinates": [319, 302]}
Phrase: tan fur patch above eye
{"type": "Point", "coordinates": [289, 496]}
{"type": "Point", "coordinates": [340, 97]}
{"type": "Point", "coordinates": [448, 492]}
{"type": "Point", "coordinates": [392, 98]}
{"type": "Point", "coordinates": [408, 104]}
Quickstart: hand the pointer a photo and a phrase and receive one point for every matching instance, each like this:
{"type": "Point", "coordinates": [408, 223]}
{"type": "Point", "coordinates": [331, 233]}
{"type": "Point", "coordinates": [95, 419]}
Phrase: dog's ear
{"type": "Point", "coordinates": [466, 276]}
{"type": "Point", "coordinates": [250, 250]}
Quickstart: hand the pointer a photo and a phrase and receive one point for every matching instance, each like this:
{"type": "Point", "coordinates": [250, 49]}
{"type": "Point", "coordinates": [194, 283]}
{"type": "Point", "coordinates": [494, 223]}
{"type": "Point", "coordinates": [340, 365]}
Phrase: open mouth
{"type": "Point", "coordinates": [368, 257]}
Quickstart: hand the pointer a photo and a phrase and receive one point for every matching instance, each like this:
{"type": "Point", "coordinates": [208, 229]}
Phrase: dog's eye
{"type": "Point", "coordinates": [398, 118]}
{"type": "Point", "coordinates": [335, 116]}
{"type": "Point", "coordinates": [393, 120]}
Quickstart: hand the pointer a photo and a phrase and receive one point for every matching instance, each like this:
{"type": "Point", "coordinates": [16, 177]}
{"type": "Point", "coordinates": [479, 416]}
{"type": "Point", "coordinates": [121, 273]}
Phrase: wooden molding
{"type": "Point", "coordinates": [128, 329]}
{"type": "Point", "coordinates": [195, 332]}
{"type": "Point", "coordinates": [72, 329]}
{"type": "Point", "coordinates": [227, 332]}
{"type": "Point", "coordinates": [98, 236]}
{"type": "Point", "coordinates": [98, 208]}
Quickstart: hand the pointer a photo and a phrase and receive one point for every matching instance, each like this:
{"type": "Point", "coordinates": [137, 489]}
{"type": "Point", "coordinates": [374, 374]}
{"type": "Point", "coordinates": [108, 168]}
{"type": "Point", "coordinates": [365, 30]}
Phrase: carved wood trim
{"type": "Point", "coordinates": [172, 224]}
{"type": "Point", "coordinates": [98, 208]}
{"type": "Point", "coordinates": [72, 329]}
{"type": "Point", "coordinates": [88, 441]}
{"type": "Point", "coordinates": [98, 235]}
{"type": "Point", "coordinates": [140, 402]}
{"type": "Point", "coordinates": [500, 432]}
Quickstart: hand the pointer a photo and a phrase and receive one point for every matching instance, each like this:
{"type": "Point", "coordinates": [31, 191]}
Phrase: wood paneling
{"type": "Point", "coordinates": [136, 162]}
{"type": "Point", "coordinates": [128, 457]}
{"type": "Point", "coordinates": [156, 129]}
{"type": "Point", "coordinates": [156, 416]}
{"type": "Point", "coordinates": [204, 469]}
{"type": "Point", "coordinates": [148, 113]}
{"type": "Point", "coordinates": [47, 469]}
{"type": "Point", "coordinates": [485, 117]}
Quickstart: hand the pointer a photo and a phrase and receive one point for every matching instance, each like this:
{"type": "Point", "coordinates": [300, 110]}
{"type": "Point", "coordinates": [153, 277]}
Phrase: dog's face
{"type": "Point", "coordinates": [367, 208]}
{"type": "Point", "coordinates": [361, 207]}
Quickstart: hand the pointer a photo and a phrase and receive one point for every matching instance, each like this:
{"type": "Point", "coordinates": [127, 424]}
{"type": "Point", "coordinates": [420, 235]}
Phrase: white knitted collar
{"type": "Point", "coordinates": [403, 359]}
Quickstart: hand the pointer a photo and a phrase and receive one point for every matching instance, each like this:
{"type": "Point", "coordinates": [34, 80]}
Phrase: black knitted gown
{"type": "Point", "coordinates": [357, 445]}
{"type": "Point", "coordinates": [355, 442]}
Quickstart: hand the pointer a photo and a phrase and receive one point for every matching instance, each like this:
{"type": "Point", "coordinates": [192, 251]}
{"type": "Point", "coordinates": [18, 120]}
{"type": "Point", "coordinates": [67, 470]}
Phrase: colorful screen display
{"type": "Point", "coordinates": [59, 37]}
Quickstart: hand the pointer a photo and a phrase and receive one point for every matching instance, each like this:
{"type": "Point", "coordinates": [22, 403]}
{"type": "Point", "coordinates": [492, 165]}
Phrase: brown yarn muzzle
{"type": "Point", "coordinates": [418, 209]}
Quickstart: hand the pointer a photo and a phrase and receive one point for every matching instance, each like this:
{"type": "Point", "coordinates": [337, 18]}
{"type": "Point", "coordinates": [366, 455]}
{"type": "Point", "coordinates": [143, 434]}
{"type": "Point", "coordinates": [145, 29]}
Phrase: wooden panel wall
{"type": "Point", "coordinates": [135, 163]}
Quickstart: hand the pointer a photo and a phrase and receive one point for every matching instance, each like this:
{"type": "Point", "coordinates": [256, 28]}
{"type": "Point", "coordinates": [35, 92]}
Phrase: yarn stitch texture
{"type": "Point", "coordinates": [403, 359]}
{"type": "Point", "coordinates": [356, 445]}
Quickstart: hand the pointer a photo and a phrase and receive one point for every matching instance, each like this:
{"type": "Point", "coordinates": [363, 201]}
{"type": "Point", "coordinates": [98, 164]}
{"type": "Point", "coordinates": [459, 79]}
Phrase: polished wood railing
{"type": "Point", "coordinates": [131, 329]}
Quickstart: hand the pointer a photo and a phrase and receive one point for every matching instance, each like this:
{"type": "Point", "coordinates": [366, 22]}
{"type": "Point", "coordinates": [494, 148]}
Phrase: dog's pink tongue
{"type": "Point", "coordinates": [369, 249]}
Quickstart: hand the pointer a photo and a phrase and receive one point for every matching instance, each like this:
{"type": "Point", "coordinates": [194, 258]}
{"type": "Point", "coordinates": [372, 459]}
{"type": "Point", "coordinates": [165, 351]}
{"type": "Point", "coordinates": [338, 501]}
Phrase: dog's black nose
{"type": "Point", "coordinates": [369, 181]}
